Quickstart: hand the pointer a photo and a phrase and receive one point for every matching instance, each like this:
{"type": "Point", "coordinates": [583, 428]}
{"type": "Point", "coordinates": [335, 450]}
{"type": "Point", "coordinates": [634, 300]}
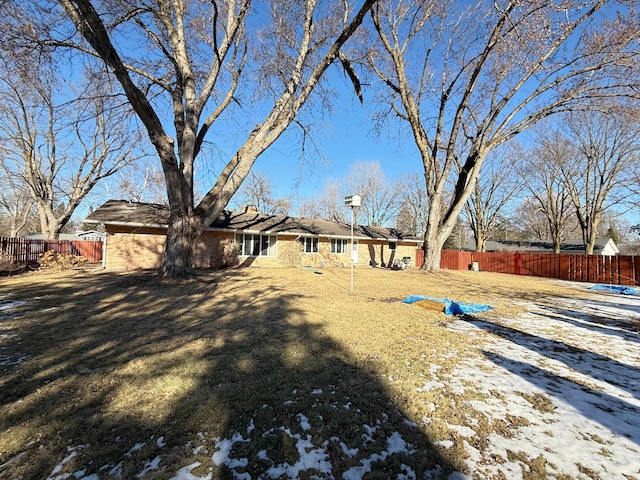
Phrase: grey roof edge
{"type": "Point", "coordinates": [102, 214]}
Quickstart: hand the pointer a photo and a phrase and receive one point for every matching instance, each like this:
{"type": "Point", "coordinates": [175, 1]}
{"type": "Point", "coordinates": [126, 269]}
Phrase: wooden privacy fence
{"type": "Point", "coordinates": [27, 251]}
{"type": "Point", "coordinates": [618, 270]}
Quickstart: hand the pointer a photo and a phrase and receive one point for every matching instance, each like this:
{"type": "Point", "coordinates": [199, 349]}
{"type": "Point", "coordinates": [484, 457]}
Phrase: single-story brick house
{"type": "Point", "coordinates": [136, 233]}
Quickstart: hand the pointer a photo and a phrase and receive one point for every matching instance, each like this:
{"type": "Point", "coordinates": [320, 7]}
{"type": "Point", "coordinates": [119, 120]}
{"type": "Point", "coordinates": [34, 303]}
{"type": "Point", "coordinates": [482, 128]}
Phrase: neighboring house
{"type": "Point", "coordinates": [603, 246]}
{"type": "Point", "coordinates": [91, 236]}
{"type": "Point", "coordinates": [62, 236]}
{"type": "Point", "coordinates": [88, 235]}
{"type": "Point", "coordinates": [136, 233]}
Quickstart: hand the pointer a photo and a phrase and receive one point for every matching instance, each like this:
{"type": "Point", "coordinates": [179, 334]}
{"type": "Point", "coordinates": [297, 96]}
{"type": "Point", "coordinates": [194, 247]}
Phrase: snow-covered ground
{"type": "Point", "coordinates": [564, 377]}
{"type": "Point", "coordinates": [571, 374]}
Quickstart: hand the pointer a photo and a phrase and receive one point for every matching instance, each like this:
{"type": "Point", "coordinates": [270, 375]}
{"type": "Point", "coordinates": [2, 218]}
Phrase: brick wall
{"type": "Point", "coordinates": [129, 248]}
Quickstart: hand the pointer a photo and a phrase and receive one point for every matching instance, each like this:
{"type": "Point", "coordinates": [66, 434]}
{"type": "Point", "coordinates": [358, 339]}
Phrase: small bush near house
{"type": "Point", "coordinates": [230, 253]}
{"type": "Point", "coordinates": [8, 265]}
{"type": "Point", "coordinates": [60, 261]}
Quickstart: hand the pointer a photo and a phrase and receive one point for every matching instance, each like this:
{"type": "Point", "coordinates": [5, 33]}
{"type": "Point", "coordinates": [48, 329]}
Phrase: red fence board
{"type": "Point", "coordinates": [27, 251]}
{"type": "Point", "coordinates": [619, 269]}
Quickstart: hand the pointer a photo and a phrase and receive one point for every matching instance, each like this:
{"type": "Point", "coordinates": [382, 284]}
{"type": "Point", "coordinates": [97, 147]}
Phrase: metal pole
{"type": "Point", "coordinates": [351, 253]}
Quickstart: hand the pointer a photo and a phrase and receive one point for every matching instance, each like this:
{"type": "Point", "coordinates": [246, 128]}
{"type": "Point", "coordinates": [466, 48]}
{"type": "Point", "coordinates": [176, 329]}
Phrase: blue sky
{"type": "Point", "coordinates": [344, 138]}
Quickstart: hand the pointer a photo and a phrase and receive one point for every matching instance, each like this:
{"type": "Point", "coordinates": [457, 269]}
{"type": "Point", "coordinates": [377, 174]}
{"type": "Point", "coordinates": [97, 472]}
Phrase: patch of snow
{"type": "Point", "coordinates": [304, 422]}
{"type": "Point", "coordinates": [310, 458]}
{"type": "Point", "coordinates": [395, 444]}
{"type": "Point", "coordinates": [8, 360]}
{"type": "Point", "coordinates": [369, 432]}
{"type": "Point", "coordinates": [349, 452]}
{"type": "Point", "coordinates": [185, 473]}
{"type": "Point", "coordinates": [149, 466]}
{"type": "Point", "coordinates": [117, 470]}
{"type": "Point", "coordinates": [223, 455]}
{"type": "Point", "coordinates": [198, 449]}
{"type": "Point", "coordinates": [430, 386]}
{"type": "Point", "coordinates": [462, 430]}
{"type": "Point", "coordinates": [459, 476]}
{"type": "Point", "coordinates": [7, 306]}
{"type": "Point", "coordinates": [409, 423]}
{"type": "Point", "coordinates": [407, 473]}
{"type": "Point", "coordinates": [136, 448]}
{"type": "Point", "coordinates": [566, 380]}
{"type": "Point", "coordinates": [445, 443]}
{"type": "Point", "coordinates": [58, 468]}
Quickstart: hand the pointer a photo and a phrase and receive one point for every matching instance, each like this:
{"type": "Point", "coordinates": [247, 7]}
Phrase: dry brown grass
{"type": "Point", "coordinates": [96, 363]}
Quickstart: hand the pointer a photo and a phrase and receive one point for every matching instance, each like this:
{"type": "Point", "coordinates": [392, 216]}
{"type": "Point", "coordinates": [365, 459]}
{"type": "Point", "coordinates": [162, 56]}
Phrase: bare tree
{"type": "Point", "coordinates": [16, 202]}
{"type": "Point", "coordinates": [142, 183]}
{"type": "Point", "coordinates": [257, 190]}
{"type": "Point", "coordinates": [497, 185]}
{"type": "Point", "coordinates": [59, 150]}
{"type": "Point", "coordinates": [467, 79]}
{"type": "Point", "coordinates": [192, 60]}
{"type": "Point", "coordinates": [379, 199]}
{"type": "Point", "coordinates": [540, 167]}
{"type": "Point", "coordinates": [606, 158]}
{"type": "Point", "coordinates": [414, 204]}
{"type": "Point", "coordinates": [327, 205]}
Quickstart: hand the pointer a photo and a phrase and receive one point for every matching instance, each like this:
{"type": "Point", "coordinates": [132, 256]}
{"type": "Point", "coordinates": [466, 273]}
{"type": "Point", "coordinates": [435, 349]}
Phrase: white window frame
{"type": "Point", "coordinates": [309, 244]}
{"type": "Point", "coordinates": [340, 246]}
{"type": "Point", "coordinates": [257, 245]}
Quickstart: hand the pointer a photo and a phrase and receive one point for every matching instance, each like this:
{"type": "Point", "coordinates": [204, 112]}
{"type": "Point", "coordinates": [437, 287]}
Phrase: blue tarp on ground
{"type": "Point", "coordinates": [451, 307]}
{"type": "Point", "coordinates": [616, 289]}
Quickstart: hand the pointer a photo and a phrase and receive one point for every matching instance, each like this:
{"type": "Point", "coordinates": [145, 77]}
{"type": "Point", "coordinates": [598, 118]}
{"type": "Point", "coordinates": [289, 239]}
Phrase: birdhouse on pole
{"type": "Point", "coordinates": [352, 201]}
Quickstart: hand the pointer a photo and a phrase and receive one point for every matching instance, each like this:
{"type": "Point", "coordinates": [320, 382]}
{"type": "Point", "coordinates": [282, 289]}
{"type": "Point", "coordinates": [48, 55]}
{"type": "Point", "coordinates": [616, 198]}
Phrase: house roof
{"type": "Point", "coordinates": [539, 246]}
{"type": "Point", "coordinates": [124, 213]}
{"type": "Point", "coordinates": [62, 236]}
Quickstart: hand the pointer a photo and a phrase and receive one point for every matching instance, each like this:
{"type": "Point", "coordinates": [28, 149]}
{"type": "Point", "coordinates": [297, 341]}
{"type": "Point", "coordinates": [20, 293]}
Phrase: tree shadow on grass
{"type": "Point", "coordinates": [597, 366]}
{"type": "Point", "coordinates": [595, 319]}
{"type": "Point", "coordinates": [217, 376]}
{"type": "Point", "coordinates": [611, 412]}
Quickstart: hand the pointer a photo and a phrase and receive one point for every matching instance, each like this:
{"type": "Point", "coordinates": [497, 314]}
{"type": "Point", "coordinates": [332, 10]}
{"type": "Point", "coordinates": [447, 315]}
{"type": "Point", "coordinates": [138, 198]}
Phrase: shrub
{"type": "Point", "coordinates": [8, 265]}
{"type": "Point", "coordinates": [230, 253]}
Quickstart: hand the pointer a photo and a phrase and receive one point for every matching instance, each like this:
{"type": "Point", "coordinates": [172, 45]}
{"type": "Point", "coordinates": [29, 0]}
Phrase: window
{"type": "Point", "coordinates": [255, 245]}
{"type": "Point", "coordinates": [393, 245]}
{"type": "Point", "coordinates": [339, 245]}
{"type": "Point", "coordinates": [309, 245]}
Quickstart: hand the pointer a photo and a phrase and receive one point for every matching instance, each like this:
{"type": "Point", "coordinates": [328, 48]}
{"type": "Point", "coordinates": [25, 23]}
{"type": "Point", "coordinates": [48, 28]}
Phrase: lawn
{"type": "Point", "coordinates": [283, 373]}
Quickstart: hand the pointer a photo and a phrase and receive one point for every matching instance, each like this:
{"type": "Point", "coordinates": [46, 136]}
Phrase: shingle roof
{"type": "Point", "coordinates": [122, 212]}
{"type": "Point", "coordinates": [537, 246]}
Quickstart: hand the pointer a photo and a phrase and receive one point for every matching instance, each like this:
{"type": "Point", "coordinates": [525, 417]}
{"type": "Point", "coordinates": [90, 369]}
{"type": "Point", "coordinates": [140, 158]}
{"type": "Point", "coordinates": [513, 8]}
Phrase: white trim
{"type": "Point", "coordinates": [271, 248]}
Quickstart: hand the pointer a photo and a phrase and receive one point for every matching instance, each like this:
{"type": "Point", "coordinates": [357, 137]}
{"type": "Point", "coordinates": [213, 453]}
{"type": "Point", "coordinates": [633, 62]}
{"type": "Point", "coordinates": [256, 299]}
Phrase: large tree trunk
{"type": "Point", "coordinates": [49, 224]}
{"type": "Point", "coordinates": [182, 238]}
{"type": "Point", "coordinates": [432, 237]}
{"type": "Point", "coordinates": [432, 251]}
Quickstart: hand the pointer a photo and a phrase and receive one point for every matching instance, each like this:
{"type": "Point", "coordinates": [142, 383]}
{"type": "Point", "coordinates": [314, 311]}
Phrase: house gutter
{"type": "Point", "coordinates": [267, 232]}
